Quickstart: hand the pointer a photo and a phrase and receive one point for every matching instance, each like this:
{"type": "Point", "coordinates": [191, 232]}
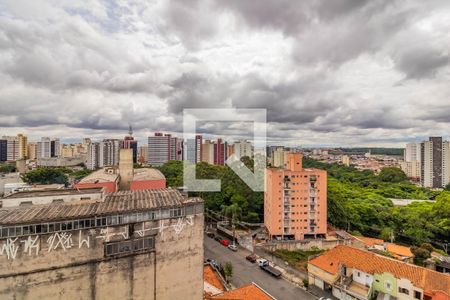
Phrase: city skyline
{"type": "Point", "coordinates": [351, 73]}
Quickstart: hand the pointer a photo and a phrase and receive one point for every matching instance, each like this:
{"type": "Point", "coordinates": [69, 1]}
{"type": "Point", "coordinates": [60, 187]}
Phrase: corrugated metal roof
{"type": "Point", "coordinates": [119, 202]}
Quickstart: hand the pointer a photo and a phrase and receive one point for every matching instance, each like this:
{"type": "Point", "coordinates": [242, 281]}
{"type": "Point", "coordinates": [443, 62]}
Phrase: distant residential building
{"type": "Point", "coordinates": [32, 151]}
{"type": "Point", "coordinates": [220, 152]}
{"type": "Point", "coordinates": [3, 150]}
{"type": "Point", "coordinates": [411, 169]}
{"type": "Point", "coordinates": [230, 150]}
{"type": "Point", "coordinates": [279, 157]}
{"type": "Point", "coordinates": [295, 201]}
{"type": "Point", "coordinates": [208, 152]}
{"type": "Point", "coordinates": [92, 160]}
{"type": "Point", "coordinates": [435, 163]}
{"type": "Point", "coordinates": [143, 154]}
{"type": "Point", "coordinates": [60, 161]}
{"type": "Point", "coordinates": [12, 148]}
{"type": "Point", "coordinates": [352, 273]}
{"type": "Point", "coordinates": [445, 163]}
{"type": "Point", "coordinates": [243, 148]}
{"type": "Point", "coordinates": [23, 142]}
{"type": "Point", "coordinates": [345, 159]}
{"type": "Point", "coordinates": [194, 149]}
{"type": "Point", "coordinates": [164, 147]}
{"type": "Point", "coordinates": [130, 143]}
{"type": "Point", "coordinates": [108, 152]}
{"type": "Point", "coordinates": [48, 147]}
{"type": "Point", "coordinates": [68, 150]}
{"type": "Point", "coordinates": [412, 152]}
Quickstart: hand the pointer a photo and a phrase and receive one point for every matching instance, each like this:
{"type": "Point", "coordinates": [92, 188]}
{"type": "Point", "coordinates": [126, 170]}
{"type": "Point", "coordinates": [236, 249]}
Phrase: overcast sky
{"type": "Point", "coordinates": [340, 72]}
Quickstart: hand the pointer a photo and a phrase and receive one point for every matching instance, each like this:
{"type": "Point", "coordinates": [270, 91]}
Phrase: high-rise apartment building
{"type": "Point", "coordinates": [279, 157]}
{"type": "Point", "coordinates": [32, 151]}
{"type": "Point", "coordinates": [411, 169]}
{"type": "Point", "coordinates": [411, 164]}
{"type": "Point", "coordinates": [164, 147]}
{"type": "Point", "coordinates": [220, 152]}
{"type": "Point", "coordinates": [3, 150]}
{"type": "Point", "coordinates": [92, 159]}
{"type": "Point", "coordinates": [108, 153]}
{"type": "Point", "coordinates": [130, 143]}
{"type": "Point", "coordinates": [295, 201]}
{"type": "Point", "coordinates": [208, 152]}
{"type": "Point", "coordinates": [412, 152]}
{"type": "Point", "coordinates": [243, 148]}
{"type": "Point", "coordinates": [143, 154]}
{"type": "Point", "coordinates": [48, 147]}
{"type": "Point", "coordinates": [12, 148]}
{"type": "Point", "coordinates": [433, 163]}
{"type": "Point", "coordinates": [194, 149]}
{"type": "Point", "coordinates": [23, 142]}
{"type": "Point", "coordinates": [445, 163]}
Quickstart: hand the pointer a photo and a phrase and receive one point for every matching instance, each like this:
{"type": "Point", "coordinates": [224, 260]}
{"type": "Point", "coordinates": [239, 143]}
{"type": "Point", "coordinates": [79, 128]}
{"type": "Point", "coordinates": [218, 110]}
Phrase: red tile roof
{"type": "Point", "coordinates": [399, 250]}
{"type": "Point", "coordinates": [369, 241]}
{"type": "Point", "coordinates": [211, 277]}
{"type": "Point", "coordinates": [247, 292]}
{"type": "Point", "coordinates": [372, 263]}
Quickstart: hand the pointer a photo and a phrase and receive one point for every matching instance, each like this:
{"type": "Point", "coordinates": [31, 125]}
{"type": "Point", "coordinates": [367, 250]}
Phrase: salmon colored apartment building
{"type": "Point", "coordinates": [295, 201]}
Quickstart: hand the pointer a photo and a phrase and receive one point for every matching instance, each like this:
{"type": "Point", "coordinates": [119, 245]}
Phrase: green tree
{"type": "Point", "coordinates": [420, 255]}
{"type": "Point", "coordinates": [233, 213]}
{"type": "Point", "coordinates": [45, 176]}
{"type": "Point", "coordinates": [228, 271]}
{"type": "Point", "coordinates": [7, 168]}
{"type": "Point", "coordinates": [447, 187]}
{"type": "Point", "coordinates": [387, 234]}
{"type": "Point", "coordinates": [392, 174]}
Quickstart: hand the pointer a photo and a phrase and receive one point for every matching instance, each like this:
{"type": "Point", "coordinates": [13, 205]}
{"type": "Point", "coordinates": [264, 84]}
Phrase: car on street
{"type": "Point", "coordinates": [212, 262]}
{"type": "Point", "coordinates": [264, 265]}
{"type": "Point", "coordinates": [210, 235]}
{"type": "Point", "coordinates": [324, 298]}
{"type": "Point", "coordinates": [251, 258]}
{"type": "Point", "coordinates": [217, 238]}
{"type": "Point", "coordinates": [233, 247]}
{"type": "Point", "coordinates": [225, 242]}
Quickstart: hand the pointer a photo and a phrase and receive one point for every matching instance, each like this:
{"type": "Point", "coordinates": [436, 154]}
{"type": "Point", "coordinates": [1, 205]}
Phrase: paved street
{"type": "Point", "coordinates": [245, 272]}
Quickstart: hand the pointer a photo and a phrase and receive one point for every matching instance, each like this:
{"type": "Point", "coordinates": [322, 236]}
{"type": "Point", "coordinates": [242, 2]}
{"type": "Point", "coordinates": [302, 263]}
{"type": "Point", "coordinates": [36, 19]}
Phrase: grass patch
{"type": "Point", "coordinates": [296, 257]}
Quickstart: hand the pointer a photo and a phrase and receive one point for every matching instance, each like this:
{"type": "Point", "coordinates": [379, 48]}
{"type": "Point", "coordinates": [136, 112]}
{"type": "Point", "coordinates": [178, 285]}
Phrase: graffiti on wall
{"type": "Point", "coordinates": [31, 245]}
{"type": "Point", "coordinates": [177, 225]}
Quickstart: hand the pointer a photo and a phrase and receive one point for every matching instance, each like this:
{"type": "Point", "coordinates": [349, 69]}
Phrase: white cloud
{"type": "Point", "coordinates": [355, 72]}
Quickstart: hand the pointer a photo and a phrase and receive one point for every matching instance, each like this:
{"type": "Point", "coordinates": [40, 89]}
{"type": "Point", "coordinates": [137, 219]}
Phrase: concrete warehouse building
{"type": "Point", "coordinates": [145, 244]}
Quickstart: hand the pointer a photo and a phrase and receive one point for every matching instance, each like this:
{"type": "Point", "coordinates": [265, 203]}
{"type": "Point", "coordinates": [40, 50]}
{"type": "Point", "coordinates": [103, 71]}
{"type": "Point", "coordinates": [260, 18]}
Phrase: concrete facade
{"type": "Point", "coordinates": [147, 259]}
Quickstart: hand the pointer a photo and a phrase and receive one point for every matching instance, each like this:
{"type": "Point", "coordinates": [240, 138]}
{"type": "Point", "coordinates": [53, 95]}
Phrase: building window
{"type": "Point", "coordinates": [403, 291]}
{"type": "Point", "coordinates": [417, 295]}
{"type": "Point", "coordinates": [388, 285]}
{"type": "Point", "coordinates": [129, 246]}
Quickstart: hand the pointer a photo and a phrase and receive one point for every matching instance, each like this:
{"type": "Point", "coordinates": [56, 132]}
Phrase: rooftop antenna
{"type": "Point", "coordinates": [130, 130]}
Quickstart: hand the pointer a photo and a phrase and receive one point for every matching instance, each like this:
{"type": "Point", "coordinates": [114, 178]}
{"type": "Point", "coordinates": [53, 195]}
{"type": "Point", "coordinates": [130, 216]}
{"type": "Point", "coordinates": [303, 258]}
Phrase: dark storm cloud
{"type": "Point", "coordinates": [299, 101]}
{"type": "Point", "coordinates": [322, 69]}
{"type": "Point", "coordinates": [421, 61]}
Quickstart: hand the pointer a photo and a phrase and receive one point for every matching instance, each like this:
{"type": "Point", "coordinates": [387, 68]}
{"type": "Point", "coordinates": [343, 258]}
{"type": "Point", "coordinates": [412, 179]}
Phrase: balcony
{"type": "Point", "coordinates": [312, 207]}
{"type": "Point", "coordinates": [353, 288]}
